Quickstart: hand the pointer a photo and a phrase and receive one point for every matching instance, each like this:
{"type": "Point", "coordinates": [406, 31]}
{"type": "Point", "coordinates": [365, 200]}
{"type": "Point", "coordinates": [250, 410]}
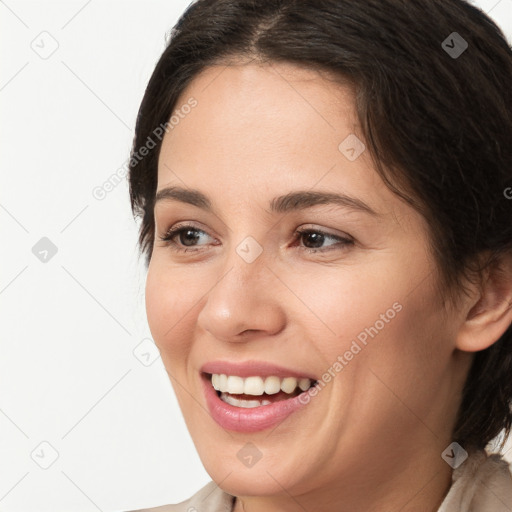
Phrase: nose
{"type": "Point", "coordinates": [246, 299]}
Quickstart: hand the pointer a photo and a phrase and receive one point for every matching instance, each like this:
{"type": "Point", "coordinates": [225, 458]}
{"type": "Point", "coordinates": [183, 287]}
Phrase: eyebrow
{"type": "Point", "coordinates": [296, 200]}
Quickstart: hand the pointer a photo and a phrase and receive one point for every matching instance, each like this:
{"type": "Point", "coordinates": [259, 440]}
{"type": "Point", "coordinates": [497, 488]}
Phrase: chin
{"type": "Point", "coordinates": [260, 480]}
{"type": "Point", "coordinates": [251, 484]}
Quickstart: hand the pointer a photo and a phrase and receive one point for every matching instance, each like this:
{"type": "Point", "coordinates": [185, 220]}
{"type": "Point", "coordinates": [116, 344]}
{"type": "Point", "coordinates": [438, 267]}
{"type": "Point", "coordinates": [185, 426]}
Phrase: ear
{"type": "Point", "coordinates": [489, 312]}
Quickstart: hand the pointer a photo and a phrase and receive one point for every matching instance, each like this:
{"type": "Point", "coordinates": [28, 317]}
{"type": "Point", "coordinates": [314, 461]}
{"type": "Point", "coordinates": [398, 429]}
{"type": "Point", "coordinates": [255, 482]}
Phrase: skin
{"type": "Point", "coordinates": [372, 439]}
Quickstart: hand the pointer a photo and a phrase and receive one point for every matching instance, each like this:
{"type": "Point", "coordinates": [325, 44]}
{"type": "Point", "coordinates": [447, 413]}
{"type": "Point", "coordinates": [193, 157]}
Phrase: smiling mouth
{"type": "Point", "coordinates": [256, 391]}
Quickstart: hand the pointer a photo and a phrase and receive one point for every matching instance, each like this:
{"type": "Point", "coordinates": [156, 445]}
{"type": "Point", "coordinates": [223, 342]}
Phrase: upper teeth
{"type": "Point", "coordinates": [258, 385]}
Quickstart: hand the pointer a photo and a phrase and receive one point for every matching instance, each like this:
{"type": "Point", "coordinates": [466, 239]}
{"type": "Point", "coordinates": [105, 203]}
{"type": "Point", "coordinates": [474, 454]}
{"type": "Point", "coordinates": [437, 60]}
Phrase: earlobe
{"type": "Point", "coordinates": [489, 318]}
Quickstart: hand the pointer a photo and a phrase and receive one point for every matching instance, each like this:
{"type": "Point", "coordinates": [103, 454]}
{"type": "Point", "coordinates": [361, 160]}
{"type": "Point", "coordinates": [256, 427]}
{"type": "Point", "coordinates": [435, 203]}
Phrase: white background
{"type": "Point", "coordinates": [68, 373]}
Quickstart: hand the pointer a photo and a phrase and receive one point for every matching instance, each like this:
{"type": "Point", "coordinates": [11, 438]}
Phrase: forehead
{"type": "Point", "coordinates": [265, 129]}
{"type": "Point", "coordinates": [271, 102]}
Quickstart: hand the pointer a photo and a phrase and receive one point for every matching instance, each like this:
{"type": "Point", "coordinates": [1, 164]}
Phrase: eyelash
{"type": "Point", "coordinates": [172, 233]}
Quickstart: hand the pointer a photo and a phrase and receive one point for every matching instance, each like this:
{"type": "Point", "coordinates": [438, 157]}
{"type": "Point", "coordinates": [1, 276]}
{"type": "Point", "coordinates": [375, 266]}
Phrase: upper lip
{"type": "Point", "coordinates": [253, 368]}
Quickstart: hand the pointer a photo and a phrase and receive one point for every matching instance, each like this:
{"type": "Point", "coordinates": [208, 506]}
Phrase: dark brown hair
{"type": "Point", "coordinates": [436, 116]}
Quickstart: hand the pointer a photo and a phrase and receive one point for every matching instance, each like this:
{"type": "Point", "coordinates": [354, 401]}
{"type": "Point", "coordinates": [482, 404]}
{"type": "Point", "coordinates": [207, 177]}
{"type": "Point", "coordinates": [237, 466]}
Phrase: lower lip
{"type": "Point", "coordinates": [251, 419]}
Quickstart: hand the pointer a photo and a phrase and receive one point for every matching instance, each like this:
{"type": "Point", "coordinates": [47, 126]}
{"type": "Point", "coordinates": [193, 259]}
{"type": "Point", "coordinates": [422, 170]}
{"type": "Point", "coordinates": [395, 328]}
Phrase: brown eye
{"type": "Point", "coordinates": [315, 238]}
{"type": "Point", "coordinates": [183, 236]}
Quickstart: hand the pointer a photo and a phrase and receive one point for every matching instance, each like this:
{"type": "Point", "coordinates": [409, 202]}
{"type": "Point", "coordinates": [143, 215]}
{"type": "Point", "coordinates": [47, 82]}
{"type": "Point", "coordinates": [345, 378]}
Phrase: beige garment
{"type": "Point", "coordinates": [482, 483]}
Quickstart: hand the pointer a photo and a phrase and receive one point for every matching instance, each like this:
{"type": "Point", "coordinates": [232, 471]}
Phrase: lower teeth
{"type": "Point", "coordinates": [247, 404]}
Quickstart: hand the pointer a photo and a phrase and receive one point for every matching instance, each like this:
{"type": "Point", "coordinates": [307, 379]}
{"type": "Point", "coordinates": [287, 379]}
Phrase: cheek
{"type": "Point", "coordinates": [382, 315]}
{"type": "Point", "coordinates": [403, 363]}
{"type": "Point", "coordinates": [170, 312]}
{"type": "Point", "coordinates": [346, 303]}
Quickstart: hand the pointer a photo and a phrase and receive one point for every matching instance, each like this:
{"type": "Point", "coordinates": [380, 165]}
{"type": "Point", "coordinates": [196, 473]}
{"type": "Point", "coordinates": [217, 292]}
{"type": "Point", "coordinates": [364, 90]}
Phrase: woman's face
{"type": "Point", "coordinates": [361, 317]}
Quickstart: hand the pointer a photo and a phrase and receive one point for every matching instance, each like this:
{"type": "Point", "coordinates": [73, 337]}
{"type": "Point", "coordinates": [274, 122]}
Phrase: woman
{"type": "Point", "coordinates": [325, 194]}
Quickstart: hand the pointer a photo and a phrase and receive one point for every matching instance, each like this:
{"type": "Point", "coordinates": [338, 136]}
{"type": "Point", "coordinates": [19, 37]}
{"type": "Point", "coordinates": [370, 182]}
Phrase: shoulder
{"type": "Point", "coordinates": [210, 498]}
{"type": "Point", "coordinates": [481, 483]}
